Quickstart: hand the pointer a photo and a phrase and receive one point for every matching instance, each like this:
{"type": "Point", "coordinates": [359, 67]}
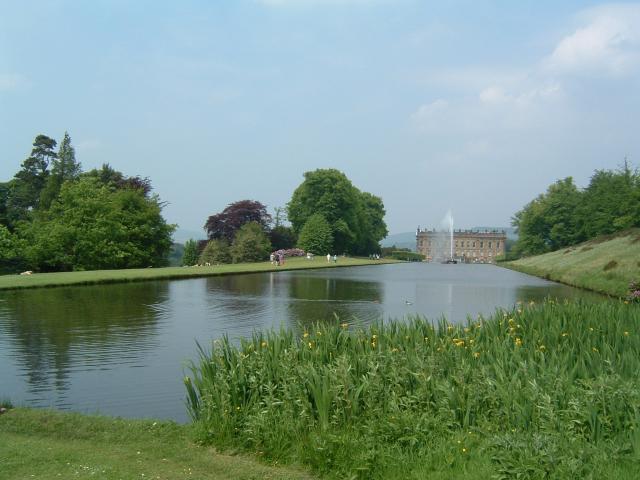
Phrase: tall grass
{"type": "Point", "coordinates": [547, 391]}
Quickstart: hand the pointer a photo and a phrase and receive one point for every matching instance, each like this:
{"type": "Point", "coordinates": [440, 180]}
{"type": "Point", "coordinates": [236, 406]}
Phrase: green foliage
{"type": "Point", "coordinates": [316, 236]}
{"type": "Point", "coordinates": [91, 226]}
{"type": "Point", "coordinates": [64, 167]}
{"type": "Point", "coordinates": [250, 244]}
{"type": "Point", "coordinates": [190, 255]}
{"type": "Point", "coordinates": [407, 256]}
{"type": "Point", "coordinates": [547, 391]}
{"type": "Point", "coordinates": [565, 215]}
{"type": "Point", "coordinates": [216, 251]}
{"type": "Point", "coordinates": [282, 237]}
{"type": "Point", "coordinates": [356, 218]}
{"type": "Point", "coordinates": [11, 251]}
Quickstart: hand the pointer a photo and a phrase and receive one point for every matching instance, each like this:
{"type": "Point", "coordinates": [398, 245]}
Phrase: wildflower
{"type": "Point", "coordinates": [394, 349]}
{"type": "Point", "coordinates": [306, 334]}
{"type": "Point", "coordinates": [542, 348]}
{"type": "Point", "coordinates": [564, 334]}
{"type": "Point", "coordinates": [466, 330]}
{"type": "Point", "coordinates": [344, 325]}
{"type": "Point", "coordinates": [426, 339]}
{"type": "Point", "coordinates": [373, 344]}
{"type": "Point", "coordinates": [319, 333]}
{"type": "Point", "coordinates": [626, 334]}
{"type": "Point", "coordinates": [591, 329]}
{"type": "Point", "coordinates": [263, 344]}
{"type": "Point", "coordinates": [374, 336]}
{"type": "Point", "coordinates": [518, 342]}
{"type": "Point", "coordinates": [476, 354]}
{"type": "Point", "coordinates": [594, 349]}
{"type": "Point", "coordinates": [464, 450]}
{"type": "Point", "coordinates": [310, 344]}
{"type": "Point", "coordinates": [449, 327]}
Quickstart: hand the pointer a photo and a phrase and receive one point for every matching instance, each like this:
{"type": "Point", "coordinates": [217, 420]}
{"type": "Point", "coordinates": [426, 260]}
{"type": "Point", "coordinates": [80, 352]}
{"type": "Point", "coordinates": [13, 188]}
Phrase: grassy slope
{"type": "Point", "coordinates": [47, 444]}
{"type": "Point", "coordinates": [8, 282]}
{"type": "Point", "coordinates": [590, 264]}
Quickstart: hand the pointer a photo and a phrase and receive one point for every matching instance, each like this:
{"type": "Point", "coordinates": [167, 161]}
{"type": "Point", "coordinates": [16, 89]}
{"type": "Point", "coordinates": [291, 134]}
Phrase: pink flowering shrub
{"type": "Point", "coordinates": [291, 252]}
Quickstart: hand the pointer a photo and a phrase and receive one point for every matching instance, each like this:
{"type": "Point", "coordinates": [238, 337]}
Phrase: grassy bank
{"type": "Point", "coordinates": [547, 391]}
{"type": "Point", "coordinates": [52, 445]}
{"type": "Point", "coordinates": [36, 280]}
{"type": "Point", "coordinates": [606, 264]}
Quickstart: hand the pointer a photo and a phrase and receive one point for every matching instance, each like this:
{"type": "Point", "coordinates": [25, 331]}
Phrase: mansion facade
{"type": "Point", "coordinates": [469, 246]}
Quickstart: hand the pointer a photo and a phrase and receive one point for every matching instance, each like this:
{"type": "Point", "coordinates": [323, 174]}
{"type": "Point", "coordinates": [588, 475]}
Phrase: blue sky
{"type": "Point", "coordinates": [464, 105]}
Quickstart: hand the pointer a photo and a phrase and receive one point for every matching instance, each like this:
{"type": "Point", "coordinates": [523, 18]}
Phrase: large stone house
{"type": "Point", "coordinates": [469, 246]}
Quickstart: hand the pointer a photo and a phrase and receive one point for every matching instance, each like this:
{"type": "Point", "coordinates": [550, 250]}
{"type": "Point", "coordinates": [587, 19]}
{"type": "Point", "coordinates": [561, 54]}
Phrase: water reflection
{"type": "Point", "coordinates": [52, 332]}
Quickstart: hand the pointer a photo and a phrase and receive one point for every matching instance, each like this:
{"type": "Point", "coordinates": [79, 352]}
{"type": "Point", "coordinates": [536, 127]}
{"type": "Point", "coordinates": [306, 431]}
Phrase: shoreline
{"type": "Point", "coordinates": [98, 277]}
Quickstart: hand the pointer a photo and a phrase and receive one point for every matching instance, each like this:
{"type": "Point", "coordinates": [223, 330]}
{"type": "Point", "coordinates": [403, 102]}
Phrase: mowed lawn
{"type": "Point", "coordinates": [605, 264]}
{"type": "Point", "coordinates": [51, 445]}
{"type": "Point", "coordinates": [140, 274]}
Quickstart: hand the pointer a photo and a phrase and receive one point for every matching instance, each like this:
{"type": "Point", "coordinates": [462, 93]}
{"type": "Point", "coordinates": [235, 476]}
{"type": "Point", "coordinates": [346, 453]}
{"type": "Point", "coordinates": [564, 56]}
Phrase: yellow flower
{"type": "Point", "coordinates": [594, 349]}
{"type": "Point", "coordinates": [306, 334]}
{"type": "Point", "coordinates": [626, 334]}
{"type": "Point", "coordinates": [263, 344]}
{"type": "Point", "coordinates": [426, 339]}
{"type": "Point", "coordinates": [310, 344]}
{"type": "Point", "coordinates": [591, 329]}
{"type": "Point", "coordinates": [466, 330]}
{"type": "Point", "coordinates": [476, 354]}
{"type": "Point", "coordinates": [464, 450]}
{"type": "Point", "coordinates": [374, 336]}
{"type": "Point", "coordinates": [394, 349]}
{"type": "Point", "coordinates": [518, 342]}
{"type": "Point", "coordinates": [344, 325]}
{"type": "Point", "coordinates": [542, 348]}
{"type": "Point", "coordinates": [564, 334]}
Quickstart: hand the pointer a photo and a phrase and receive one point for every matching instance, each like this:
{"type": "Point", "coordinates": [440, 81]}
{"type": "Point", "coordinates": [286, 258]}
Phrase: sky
{"type": "Point", "coordinates": [470, 106]}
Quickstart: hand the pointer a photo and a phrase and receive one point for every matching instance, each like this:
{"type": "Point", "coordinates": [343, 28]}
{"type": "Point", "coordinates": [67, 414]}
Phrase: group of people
{"type": "Point", "coordinates": [277, 258]}
{"type": "Point", "coordinates": [329, 258]}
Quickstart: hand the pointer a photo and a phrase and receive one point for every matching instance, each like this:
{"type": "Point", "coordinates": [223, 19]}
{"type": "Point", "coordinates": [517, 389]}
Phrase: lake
{"type": "Point", "coordinates": [121, 349]}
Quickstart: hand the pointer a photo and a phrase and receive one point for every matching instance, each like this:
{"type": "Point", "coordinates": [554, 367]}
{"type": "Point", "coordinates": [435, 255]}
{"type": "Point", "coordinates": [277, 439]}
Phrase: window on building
{"type": "Point", "coordinates": [481, 244]}
{"type": "Point", "coordinates": [474, 244]}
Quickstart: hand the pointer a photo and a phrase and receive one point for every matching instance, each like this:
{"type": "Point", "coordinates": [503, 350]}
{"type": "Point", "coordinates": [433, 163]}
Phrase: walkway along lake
{"type": "Point", "coordinates": [121, 349]}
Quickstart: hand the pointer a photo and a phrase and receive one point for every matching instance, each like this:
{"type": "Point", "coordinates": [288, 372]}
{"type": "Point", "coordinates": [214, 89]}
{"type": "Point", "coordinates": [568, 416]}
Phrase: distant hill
{"type": "Point", "coordinates": [401, 240]}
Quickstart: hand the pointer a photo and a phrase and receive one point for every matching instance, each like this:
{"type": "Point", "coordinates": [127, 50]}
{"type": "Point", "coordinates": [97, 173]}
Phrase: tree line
{"type": "Point", "coordinates": [566, 215]}
{"type": "Point", "coordinates": [327, 214]}
{"type": "Point", "coordinates": [56, 217]}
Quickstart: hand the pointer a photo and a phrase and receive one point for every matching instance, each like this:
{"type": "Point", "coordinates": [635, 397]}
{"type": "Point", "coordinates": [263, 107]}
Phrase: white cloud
{"type": "Point", "coordinates": [609, 43]}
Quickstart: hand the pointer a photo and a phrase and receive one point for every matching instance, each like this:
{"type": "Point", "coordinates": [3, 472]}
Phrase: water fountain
{"type": "Point", "coordinates": [443, 248]}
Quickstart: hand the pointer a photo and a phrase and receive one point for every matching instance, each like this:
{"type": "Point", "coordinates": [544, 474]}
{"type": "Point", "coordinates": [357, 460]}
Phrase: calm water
{"type": "Point", "coordinates": [121, 349]}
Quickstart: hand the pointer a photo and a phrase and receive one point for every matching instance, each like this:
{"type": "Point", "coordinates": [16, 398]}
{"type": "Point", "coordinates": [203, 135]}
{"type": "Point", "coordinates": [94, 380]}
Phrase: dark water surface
{"type": "Point", "coordinates": [121, 349]}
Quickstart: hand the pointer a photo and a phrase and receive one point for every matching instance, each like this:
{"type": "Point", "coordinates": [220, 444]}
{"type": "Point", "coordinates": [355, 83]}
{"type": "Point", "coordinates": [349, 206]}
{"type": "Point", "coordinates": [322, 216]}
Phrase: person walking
{"type": "Point", "coordinates": [328, 257]}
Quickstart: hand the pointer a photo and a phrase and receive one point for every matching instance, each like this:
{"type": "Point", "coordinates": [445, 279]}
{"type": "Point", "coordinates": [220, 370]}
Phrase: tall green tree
{"type": "Point", "coordinates": [30, 180]}
{"type": "Point", "coordinates": [217, 251]}
{"type": "Point", "coordinates": [355, 218]}
{"type": "Point", "coordinates": [250, 244]}
{"type": "Point", "coordinates": [94, 226]}
{"type": "Point", "coordinates": [550, 221]}
{"type": "Point", "coordinates": [64, 167]}
{"type": "Point", "coordinates": [190, 255]}
{"type": "Point", "coordinates": [316, 236]}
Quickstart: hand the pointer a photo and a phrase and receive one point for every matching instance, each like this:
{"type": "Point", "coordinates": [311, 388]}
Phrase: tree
{"type": "Point", "coordinates": [316, 236]}
{"type": "Point", "coordinates": [226, 223]}
{"type": "Point", "coordinates": [548, 222]}
{"type": "Point", "coordinates": [64, 167]}
{"type": "Point", "coordinates": [250, 244]}
{"type": "Point", "coordinates": [190, 255]}
{"type": "Point", "coordinates": [107, 175]}
{"type": "Point", "coordinates": [93, 226]}
{"type": "Point", "coordinates": [31, 179]}
{"type": "Point", "coordinates": [11, 251]}
{"type": "Point", "coordinates": [282, 237]}
{"type": "Point", "coordinates": [356, 218]}
{"type": "Point", "coordinates": [216, 252]}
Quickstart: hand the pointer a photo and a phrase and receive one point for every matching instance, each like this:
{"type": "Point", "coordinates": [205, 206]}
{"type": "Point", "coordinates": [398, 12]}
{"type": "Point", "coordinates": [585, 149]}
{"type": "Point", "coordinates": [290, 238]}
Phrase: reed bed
{"type": "Point", "coordinates": [540, 391]}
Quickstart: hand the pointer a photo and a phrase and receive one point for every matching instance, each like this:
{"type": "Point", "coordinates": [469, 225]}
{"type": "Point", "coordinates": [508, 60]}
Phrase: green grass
{"type": "Point", "coordinates": [540, 392]}
{"type": "Point", "coordinates": [606, 264]}
{"type": "Point", "coordinates": [51, 445]}
{"type": "Point", "coordinates": [36, 280]}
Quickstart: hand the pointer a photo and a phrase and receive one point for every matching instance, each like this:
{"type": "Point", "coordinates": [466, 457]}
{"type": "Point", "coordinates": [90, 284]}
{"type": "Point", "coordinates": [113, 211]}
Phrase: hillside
{"type": "Point", "coordinates": [605, 264]}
